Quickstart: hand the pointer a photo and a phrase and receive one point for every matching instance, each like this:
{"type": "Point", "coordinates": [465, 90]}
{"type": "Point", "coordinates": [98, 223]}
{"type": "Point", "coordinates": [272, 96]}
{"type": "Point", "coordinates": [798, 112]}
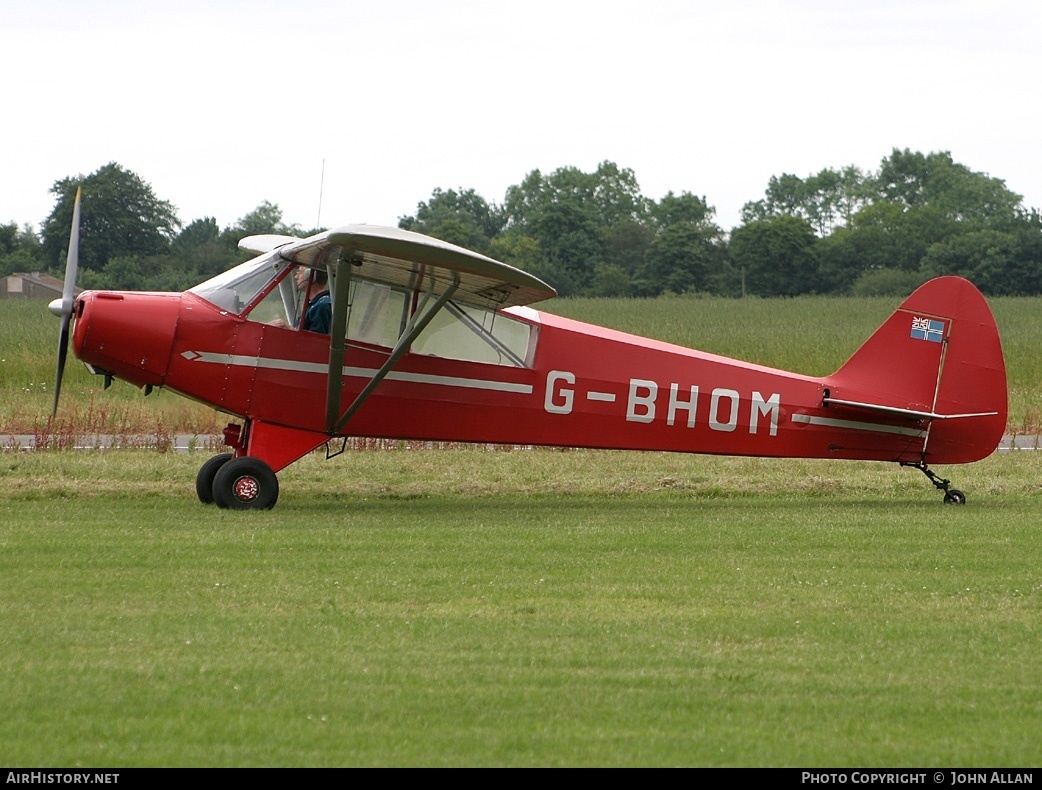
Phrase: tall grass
{"type": "Point", "coordinates": [809, 335]}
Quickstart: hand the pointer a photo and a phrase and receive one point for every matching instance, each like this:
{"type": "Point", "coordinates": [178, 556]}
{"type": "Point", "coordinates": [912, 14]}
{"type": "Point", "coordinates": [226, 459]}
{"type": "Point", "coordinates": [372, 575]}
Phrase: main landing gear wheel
{"type": "Point", "coordinates": [204, 480]}
{"type": "Point", "coordinates": [953, 496]}
{"type": "Point", "coordinates": [245, 483]}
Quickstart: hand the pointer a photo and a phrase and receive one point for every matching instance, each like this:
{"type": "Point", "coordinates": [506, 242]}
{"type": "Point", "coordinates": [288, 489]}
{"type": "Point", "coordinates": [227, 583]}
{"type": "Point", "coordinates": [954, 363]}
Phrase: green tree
{"type": "Point", "coordinates": [265, 219]}
{"type": "Point", "coordinates": [1001, 263]}
{"type": "Point", "coordinates": [581, 232]}
{"type": "Point", "coordinates": [686, 252]}
{"type": "Point", "coordinates": [681, 259]}
{"type": "Point", "coordinates": [886, 235]}
{"type": "Point", "coordinates": [776, 256]}
{"type": "Point", "coordinates": [202, 248]}
{"type": "Point", "coordinates": [877, 226]}
{"type": "Point", "coordinates": [464, 218]}
{"type": "Point", "coordinates": [683, 208]}
{"type": "Point", "coordinates": [825, 199]}
{"type": "Point", "coordinates": [626, 245]}
{"type": "Point", "coordinates": [151, 273]}
{"type": "Point", "coordinates": [882, 236]}
{"type": "Point", "coordinates": [559, 214]}
{"type": "Point", "coordinates": [616, 195]}
{"type": "Point", "coordinates": [20, 250]}
{"type": "Point", "coordinates": [519, 250]}
{"type": "Point", "coordinates": [914, 180]}
{"type": "Point", "coordinates": [122, 273]}
{"type": "Point", "coordinates": [120, 216]}
{"type": "Point", "coordinates": [576, 218]}
{"type": "Point", "coordinates": [8, 238]}
{"type": "Point", "coordinates": [609, 280]}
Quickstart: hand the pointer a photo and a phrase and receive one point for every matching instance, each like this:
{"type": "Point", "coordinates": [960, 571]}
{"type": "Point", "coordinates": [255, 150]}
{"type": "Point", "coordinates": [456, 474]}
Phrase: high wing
{"type": "Point", "coordinates": [436, 271]}
{"type": "Point", "coordinates": [265, 242]}
{"type": "Point", "coordinates": [403, 259]}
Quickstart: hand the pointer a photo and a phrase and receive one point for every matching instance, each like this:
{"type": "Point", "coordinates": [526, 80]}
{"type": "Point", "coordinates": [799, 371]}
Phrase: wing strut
{"type": "Point", "coordinates": [340, 288]}
{"type": "Point", "coordinates": [419, 320]}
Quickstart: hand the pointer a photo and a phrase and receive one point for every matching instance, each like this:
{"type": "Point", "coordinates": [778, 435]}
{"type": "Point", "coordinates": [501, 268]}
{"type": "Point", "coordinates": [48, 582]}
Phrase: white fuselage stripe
{"type": "Point", "coordinates": [830, 422]}
{"type": "Point", "coordinates": [368, 373]}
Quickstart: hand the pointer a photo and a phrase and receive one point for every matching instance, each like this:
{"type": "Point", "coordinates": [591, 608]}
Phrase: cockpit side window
{"type": "Point", "coordinates": [280, 306]}
{"type": "Point", "coordinates": [477, 335]}
{"type": "Point", "coordinates": [378, 315]}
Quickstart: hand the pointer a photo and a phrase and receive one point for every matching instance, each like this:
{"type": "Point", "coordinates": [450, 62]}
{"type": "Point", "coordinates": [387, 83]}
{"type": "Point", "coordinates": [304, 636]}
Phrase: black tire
{"type": "Point", "coordinates": [204, 480]}
{"type": "Point", "coordinates": [953, 496]}
{"type": "Point", "coordinates": [245, 483]}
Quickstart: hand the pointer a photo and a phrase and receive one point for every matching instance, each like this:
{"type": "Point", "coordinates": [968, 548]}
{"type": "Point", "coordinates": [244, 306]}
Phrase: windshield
{"type": "Point", "coordinates": [237, 288]}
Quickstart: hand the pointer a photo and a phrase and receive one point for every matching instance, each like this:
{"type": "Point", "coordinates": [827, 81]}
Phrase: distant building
{"type": "Point", "coordinates": [31, 286]}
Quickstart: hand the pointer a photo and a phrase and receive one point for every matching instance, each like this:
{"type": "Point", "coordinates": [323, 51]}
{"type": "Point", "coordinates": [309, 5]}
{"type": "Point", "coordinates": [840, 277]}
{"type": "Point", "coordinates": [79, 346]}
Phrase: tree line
{"type": "Point", "coordinates": [842, 231]}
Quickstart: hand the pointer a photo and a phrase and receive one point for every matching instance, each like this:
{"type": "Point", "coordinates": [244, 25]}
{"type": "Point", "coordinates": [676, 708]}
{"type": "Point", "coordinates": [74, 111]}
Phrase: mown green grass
{"type": "Point", "coordinates": [809, 335]}
{"type": "Point", "coordinates": [530, 608]}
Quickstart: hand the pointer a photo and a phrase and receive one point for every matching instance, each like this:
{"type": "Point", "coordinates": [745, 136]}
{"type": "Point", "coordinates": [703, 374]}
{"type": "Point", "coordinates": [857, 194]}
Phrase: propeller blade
{"type": "Point", "coordinates": [68, 292]}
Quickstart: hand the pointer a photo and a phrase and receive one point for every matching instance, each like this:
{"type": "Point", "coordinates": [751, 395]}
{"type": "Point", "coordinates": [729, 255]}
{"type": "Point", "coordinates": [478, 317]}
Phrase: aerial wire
{"type": "Point", "coordinates": [321, 185]}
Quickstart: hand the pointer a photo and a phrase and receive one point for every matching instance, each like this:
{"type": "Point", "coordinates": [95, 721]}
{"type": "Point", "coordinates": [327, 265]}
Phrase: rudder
{"type": "Point", "coordinates": [938, 354]}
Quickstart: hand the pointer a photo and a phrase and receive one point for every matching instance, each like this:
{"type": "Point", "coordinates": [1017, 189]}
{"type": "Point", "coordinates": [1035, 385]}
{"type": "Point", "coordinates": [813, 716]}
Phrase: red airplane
{"type": "Point", "coordinates": [430, 341]}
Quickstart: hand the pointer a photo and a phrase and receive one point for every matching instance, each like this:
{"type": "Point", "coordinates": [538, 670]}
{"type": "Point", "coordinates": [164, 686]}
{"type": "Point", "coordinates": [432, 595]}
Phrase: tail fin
{"type": "Point", "coordinates": [936, 361]}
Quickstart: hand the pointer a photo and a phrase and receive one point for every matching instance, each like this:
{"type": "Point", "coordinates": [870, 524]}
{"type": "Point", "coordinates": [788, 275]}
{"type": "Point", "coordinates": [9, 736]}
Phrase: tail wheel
{"type": "Point", "coordinates": [245, 483]}
{"type": "Point", "coordinates": [952, 496]}
{"type": "Point", "coordinates": [207, 472]}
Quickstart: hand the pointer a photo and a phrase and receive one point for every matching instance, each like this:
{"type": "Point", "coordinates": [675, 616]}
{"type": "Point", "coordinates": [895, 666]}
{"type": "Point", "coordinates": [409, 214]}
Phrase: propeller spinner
{"type": "Point", "coordinates": [63, 307]}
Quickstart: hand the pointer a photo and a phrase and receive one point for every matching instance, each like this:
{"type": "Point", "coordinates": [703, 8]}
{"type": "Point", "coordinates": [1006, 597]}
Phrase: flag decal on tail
{"type": "Point", "coordinates": [927, 329]}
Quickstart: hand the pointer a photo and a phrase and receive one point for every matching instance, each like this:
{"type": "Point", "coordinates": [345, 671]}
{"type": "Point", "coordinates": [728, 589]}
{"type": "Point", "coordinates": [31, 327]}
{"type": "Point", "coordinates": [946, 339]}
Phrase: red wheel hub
{"type": "Point", "coordinates": [246, 488]}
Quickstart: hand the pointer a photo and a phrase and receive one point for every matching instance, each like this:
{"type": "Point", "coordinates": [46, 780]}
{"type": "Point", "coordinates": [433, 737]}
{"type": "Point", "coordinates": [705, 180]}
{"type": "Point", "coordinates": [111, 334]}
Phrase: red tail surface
{"type": "Point", "coordinates": [939, 359]}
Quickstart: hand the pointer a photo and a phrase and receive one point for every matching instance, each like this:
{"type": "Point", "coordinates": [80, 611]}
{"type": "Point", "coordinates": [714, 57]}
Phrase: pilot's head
{"type": "Point", "coordinates": [300, 277]}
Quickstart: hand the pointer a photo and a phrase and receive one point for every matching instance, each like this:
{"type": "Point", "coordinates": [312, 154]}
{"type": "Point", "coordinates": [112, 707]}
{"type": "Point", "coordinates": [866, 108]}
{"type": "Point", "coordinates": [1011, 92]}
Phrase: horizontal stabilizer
{"type": "Point", "coordinates": [910, 413]}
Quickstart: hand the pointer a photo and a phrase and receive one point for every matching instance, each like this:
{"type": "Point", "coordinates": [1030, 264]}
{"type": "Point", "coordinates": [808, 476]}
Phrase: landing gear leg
{"type": "Point", "coordinates": [952, 496]}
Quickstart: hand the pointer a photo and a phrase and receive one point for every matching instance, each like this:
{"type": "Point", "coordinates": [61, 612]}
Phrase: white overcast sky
{"type": "Point", "coordinates": [348, 111]}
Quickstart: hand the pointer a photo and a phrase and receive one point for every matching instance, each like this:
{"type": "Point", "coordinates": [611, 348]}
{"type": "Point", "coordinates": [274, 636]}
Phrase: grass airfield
{"type": "Point", "coordinates": [467, 607]}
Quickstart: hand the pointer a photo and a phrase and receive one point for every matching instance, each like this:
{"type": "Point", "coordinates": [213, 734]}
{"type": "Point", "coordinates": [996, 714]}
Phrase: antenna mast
{"type": "Point", "coordinates": [321, 185]}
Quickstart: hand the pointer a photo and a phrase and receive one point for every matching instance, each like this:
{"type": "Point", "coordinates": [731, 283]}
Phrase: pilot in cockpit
{"type": "Point", "coordinates": [319, 310]}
